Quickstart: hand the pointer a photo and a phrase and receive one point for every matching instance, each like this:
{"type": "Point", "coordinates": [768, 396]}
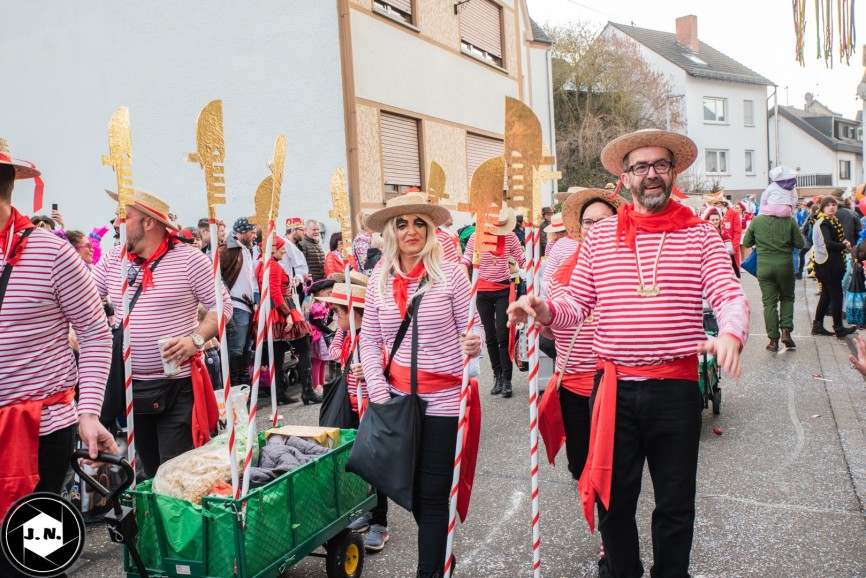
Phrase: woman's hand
{"type": "Point", "coordinates": [859, 362]}
{"type": "Point", "coordinates": [470, 344]}
{"type": "Point", "coordinates": [358, 371]}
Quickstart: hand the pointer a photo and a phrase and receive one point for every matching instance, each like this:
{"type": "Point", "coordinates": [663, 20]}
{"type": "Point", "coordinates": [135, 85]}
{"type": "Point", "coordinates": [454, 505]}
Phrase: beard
{"type": "Point", "coordinates": [655, 199]}
{"type": "Point", "coordinates": [133, 238]}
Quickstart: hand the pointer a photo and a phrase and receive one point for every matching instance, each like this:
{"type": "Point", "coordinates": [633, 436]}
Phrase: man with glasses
{"type": "Point", "coordinates": [311, 246]}
{"type": "Point", "coordinates": [644, 274]}
{"type": "Point", "coordinates": [238, 271]}
{"type": "Point", "coordinates": [47, 290]}
{"type": "Point", "coordinates": [167, 280]}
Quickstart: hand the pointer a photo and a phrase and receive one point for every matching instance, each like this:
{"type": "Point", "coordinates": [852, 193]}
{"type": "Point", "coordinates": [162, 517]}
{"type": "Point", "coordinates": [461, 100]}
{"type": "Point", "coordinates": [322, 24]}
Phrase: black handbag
{"type": "Point", "coordinates": [385, 452]}
{"type": "Point", "coordinates": [336, 408]}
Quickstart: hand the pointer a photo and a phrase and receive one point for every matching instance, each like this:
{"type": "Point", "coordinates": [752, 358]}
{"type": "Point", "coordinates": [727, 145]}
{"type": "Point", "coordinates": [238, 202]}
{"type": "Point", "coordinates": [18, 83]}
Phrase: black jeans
{"type": "Point", "coordinates": [830, 275]}
{"type": "Point", "coordinates": [301, 347]}
{"type": "Point", "coordinates": [162, 436]}
{"type": "Point", "coordinates": [657, 420]}
{"type": "Point", "coordinates": [55, 454]}
{"type": "Point", "coordinates": [432, 488]}
{"type": "Point", "coordinates": [491, 308]}
{"type": "Point", "coordinates": [576, 421]}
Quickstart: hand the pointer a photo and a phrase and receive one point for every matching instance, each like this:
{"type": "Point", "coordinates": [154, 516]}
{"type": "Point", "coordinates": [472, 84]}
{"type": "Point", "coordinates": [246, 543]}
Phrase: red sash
{"type": "Point", "coordinates": [19, 430]}
{"type": "Point", "coordinates": [429, 382]}
{"type": "Point", "coordinates": [205, 411]}
{"type": "Point", "coordinates": [550, 423]}
{"type": "Point", "coordinates": [595, 481]}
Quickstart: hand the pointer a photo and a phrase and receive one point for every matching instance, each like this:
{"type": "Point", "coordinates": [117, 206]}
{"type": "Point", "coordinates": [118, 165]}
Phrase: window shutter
{"type": "Point", "coordinates": [480, 25]}
{"type": "Point", "coordinates": [401, 163]}
{"type": "Point", "coordinates": [401, 5]}
{"type": "Point", "coordinates": [479, 149]}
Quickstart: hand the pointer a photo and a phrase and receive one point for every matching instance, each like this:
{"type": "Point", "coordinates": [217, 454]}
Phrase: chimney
{"type": "Point", "coordinates": [687, 32]}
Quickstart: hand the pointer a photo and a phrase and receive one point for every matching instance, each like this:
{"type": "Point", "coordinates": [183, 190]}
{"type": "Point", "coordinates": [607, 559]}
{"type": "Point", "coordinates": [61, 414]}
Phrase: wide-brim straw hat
{"type": "Point", "coordinates": [22, 170]}
{"type": "Point", "coordinates": [408, 204]}
{"type": "Point", "coordinates": [338, 296]}
{"type": "Point", "coordinates": [573, 207]}
{"type": "Point", "coordinates": [355, 277]}
{"type": "Point", "coordinates": [556, 225]}
{"type": "Point", "coordinates": [682, 147]}
{"type": "Point", "coordinates": [562, 195]}
{"type": "Point", "coordinates": [150, 205]}
{"type": "Point", "coordinates": [507, 221]}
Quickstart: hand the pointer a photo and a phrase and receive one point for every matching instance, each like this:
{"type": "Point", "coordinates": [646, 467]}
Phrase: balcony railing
{"type": "Point", "coordinates": [814, 180]}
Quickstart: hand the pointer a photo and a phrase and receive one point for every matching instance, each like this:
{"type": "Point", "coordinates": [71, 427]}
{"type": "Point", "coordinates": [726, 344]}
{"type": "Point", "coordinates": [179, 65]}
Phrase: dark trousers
{"type": "Point", "coordinates": [777, 293]}
{"type": "Point", "coordinates": [576, 420]}
{"type": "Point", "coordinates": [55, 453]}
{"type": "Point", "coordinates": [491, 308]}
{"type": "Point", "coordinates": [432, 488]}
{"type": "Point", "coordinates": [162, 436]}
{"type": "Point", "coordinates": [831, 297]}
{"type": "Point", "coordinates": [301, 347]}
{"type": "Point", "coordinates": [658, 421]}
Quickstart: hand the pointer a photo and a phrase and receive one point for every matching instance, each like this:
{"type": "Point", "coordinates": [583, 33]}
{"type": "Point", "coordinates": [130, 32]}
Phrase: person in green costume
{"type": "Point", "coordinates": [775, 238]}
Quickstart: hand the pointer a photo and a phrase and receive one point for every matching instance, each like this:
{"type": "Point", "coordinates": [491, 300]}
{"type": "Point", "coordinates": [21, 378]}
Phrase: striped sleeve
{"type": "Point", "coordinates": [81, 305]}
{"type": "Point", "coordinates": [724, 292]}
{"type": "Point", "coordinates": [372, 343]}
{"type": "Point", "coordinates": [462, 295]}
{"type": "Point", "coordinates": [469, 251]}
{"type": "Point", "coordinates": [201, 281]}
{"type": "Point", "coordinates": [336, 348]}
{"type": "Point", "coordinates": [577, 301]}
{"type": "Point", "coordinates": [515, 250]}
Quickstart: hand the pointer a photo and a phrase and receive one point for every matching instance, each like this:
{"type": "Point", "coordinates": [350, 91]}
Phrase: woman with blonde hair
{"type": "Point", "coordinates": [411, 268]}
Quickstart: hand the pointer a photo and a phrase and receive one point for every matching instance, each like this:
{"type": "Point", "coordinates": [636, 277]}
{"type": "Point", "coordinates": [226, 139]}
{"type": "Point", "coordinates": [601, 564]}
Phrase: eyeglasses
{"type": "Point", "coordinates": [588, 223]}
{"type": "Point", "coordinates": [641, 169]}
{"type": "Point", "coordinates": [87, 246]}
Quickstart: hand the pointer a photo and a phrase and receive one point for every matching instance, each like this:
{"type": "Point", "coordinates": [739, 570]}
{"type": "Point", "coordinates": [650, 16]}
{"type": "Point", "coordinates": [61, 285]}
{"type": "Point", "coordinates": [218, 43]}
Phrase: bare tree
{"type": "Point", "coordinates": [602, 88]}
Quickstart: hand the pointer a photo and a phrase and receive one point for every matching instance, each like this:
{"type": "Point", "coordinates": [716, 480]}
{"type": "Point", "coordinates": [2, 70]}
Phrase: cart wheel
{"type": "Point", "coordinates": [717, 401]}
{"type": "Point", "coordinates": [345, 555]}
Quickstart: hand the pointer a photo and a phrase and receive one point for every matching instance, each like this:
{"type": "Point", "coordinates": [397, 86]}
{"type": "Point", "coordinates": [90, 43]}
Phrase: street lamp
{"type": "Point", "coordinates": [668, 98]}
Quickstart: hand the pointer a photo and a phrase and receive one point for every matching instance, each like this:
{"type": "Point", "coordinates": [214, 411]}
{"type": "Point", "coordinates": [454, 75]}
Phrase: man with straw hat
{"type": "Point", "coordinates": [495, 292]}
{"type": "Point", "coordinates": [173, 398]}
{"type": "Point", "coordinates": [658, 259]}
{"type": "Point", "coordinates": [44, 289]}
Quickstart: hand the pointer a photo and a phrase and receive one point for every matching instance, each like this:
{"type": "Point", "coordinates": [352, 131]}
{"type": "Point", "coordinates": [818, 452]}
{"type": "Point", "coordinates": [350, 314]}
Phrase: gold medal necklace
{"type": "Point", "coordinates": [651, 290]}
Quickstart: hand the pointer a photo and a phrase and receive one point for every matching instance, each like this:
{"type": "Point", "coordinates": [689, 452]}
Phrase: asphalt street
{"type": "Point", "coordinates": [781, 492]}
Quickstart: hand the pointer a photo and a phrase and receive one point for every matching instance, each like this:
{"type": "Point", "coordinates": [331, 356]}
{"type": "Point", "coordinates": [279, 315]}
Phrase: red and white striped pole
{"type": "Point", "coordinates": [275, 416]}
{"type": "Point", "coordinates": [257, 363]}
{"type": "Point", "coordinates": [224, 353]}
{"type": "Point", "coordinates": [462, 426]}
{"type": "Point", "coordinates": [352, 337]}
{"type": "Point", "coordinates": [127, 349]}
{"type": "Point", "coordinates": [532, 257]}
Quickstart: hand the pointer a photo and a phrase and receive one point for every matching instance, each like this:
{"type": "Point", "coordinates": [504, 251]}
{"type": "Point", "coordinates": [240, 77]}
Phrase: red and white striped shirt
{"type": "Point", "coordinates": [582, 358]}
{"type": "Point", "coordinates": [50, 289]}
{"type": "Point", "coordinates": [335, 352]}
{"type": "Point", "coordinates": [557, 253]}
{"type": "Point", "coordinates": [181, 280]}
{"type": "Point", "coordinates": [634, 331]}
{"type": "Point", "coordinates": [450, 245]}
{"type": "Point", "coordinates": [442, 316]}
{"type": "Point", "coordinates": [495, 269]}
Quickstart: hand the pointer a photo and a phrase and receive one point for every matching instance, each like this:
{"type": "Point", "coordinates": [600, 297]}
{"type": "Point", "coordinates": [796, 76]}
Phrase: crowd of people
{"type": "Point", "coordinates": [624, 386]}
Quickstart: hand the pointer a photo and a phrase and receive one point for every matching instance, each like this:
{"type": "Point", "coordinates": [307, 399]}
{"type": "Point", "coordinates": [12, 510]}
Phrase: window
{"type": "Point", "coordinates": [717, 161]}
{"type": "Point", "coordinates": [750, 162]}
{"type": "Point", "coordinates": [481, 30]}
{"type": "Point", "coordinates": [401, 156]}
{"type": "Point", "coordinates": [397, 9]}
{"type": "Point", "coordinates": [479, 149]}
{"type": "Point", "coordinates": [845, 170]}
{"type": "Point", "coordinates": [715, 109]}
{"type": "Point", "coordinates": [749, 113]}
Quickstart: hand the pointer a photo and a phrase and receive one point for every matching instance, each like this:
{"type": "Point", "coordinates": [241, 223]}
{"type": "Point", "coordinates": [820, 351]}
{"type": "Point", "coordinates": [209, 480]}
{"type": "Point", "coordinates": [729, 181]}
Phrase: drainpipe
{"type": "Point", "coordinates": [550, 119]}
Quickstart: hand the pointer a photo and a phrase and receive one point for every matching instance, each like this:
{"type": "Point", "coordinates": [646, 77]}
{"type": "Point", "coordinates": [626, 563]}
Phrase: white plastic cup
{"type": "Point", "coordinates": [170, 368]}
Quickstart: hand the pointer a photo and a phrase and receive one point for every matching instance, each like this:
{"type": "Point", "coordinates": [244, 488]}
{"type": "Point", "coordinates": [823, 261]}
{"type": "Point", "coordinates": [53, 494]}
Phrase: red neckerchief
{"type": "Point", "coordinates": [500, 246]}
{"type": "Point", "coordinates": [147, 277]}
{"type": "Point", "coordinates": [348, 347]}
{"type": "Point", "coordinates": [566, 268]}
{"type": "Point", "coordinates": [674, 218]}
{"type": "Point", "coordinates": [401, 286]}
{"type": "Point", "coordinates": [12, 241]}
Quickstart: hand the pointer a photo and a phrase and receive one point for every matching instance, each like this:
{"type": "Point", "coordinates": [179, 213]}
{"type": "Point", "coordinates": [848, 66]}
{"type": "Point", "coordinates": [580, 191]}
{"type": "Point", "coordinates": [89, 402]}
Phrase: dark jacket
{"type": "Point", "coordinates": [231, 260]}
{"type": "Point", "coordinates": [315, 257]}
{"type": "Point", "coordinates": [850, 224]}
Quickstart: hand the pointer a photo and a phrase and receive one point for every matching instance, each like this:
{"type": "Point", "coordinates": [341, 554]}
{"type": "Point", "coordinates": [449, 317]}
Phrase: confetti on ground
{"type": "Point", "coordinates": [817, 375]}
{"type": "Point", "coordinates": [718, 431]}
{"type": "Point", "coordinates": [816, 416]}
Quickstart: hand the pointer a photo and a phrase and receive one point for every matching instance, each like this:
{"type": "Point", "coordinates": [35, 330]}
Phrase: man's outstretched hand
{"type": "Point", "coordinates": [529, 306]}
{"type": "Point", "coordinates": [727, 351]}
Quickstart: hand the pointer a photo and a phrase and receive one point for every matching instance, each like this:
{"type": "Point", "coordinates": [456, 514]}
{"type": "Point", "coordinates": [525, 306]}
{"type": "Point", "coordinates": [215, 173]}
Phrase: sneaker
{"type": "Point", "coordinates": [376, 538]}
{"type": "Point", "coordinates": [361, 523]}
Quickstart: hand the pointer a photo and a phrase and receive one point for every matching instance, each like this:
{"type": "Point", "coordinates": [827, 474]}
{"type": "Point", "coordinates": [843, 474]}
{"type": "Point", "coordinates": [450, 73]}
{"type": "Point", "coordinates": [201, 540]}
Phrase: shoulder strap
{"type": "Point", "coordinates": [141, 285]}
{"type": "Point", "coordinates": [413, 373]}
{"type": "Point", "coordinates": [568, 353]}
{"type": "Point", "coordinates": [7, 271]}
{"type": "Point", "coordinates": [401, 332]}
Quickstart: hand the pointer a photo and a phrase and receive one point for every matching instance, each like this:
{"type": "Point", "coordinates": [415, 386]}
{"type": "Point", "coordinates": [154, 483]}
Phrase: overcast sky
{"type": "Point", "coordinates": [757, 33]}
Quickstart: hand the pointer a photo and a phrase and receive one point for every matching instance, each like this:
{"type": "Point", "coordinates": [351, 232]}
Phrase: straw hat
{"type": "Point", "coordinates": [681, 146]}
{"type": "Point", "coordinates": [562, 195]}
{"type": "Point", "coordinates": [408, 204]}
{"type": "Point", "coordinates": [555, 225]}
{"type": "Point", "coordinates": [573, 207]}
{"type": "Point", "coordinates": [22, 170]}
{"type": "Point", "coordinates": [355, 277]}
{"type": "Point", "coordinates": [507, 221]}
{"type": "Point", "coordinates": [338, 296]}
{"type": "Point", "coordinates": [150, 205]}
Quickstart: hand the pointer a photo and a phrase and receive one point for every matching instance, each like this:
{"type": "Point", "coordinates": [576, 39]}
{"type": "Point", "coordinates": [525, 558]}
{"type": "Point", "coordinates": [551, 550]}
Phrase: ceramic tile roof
{"type": "Point", "coordinates": [819, 127]}
{"type": "Point", "coordinates": [538, 33]}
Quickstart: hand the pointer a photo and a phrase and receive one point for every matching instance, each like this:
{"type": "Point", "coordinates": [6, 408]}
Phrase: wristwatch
{"type": "Point", "coordinates": [198, 341]}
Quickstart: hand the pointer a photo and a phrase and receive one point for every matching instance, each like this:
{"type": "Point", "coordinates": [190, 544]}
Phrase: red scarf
{"type": "Point", "coordinates": [147, 277]}
{"type": "Point", "coordinates": [205, 411]}
{"type": "Point", "coordinates": [566, 268]}
{"type": "Point", "coordinates": [500, 246]}
{"type": "Point", "coordinates": [347, 348]}
{"type": "Point", "coordinates": [13, 247]}
{"type": "Point", "coordinates": [673, 218]}
{"type": "Point", "coordinates": [401, 286]}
